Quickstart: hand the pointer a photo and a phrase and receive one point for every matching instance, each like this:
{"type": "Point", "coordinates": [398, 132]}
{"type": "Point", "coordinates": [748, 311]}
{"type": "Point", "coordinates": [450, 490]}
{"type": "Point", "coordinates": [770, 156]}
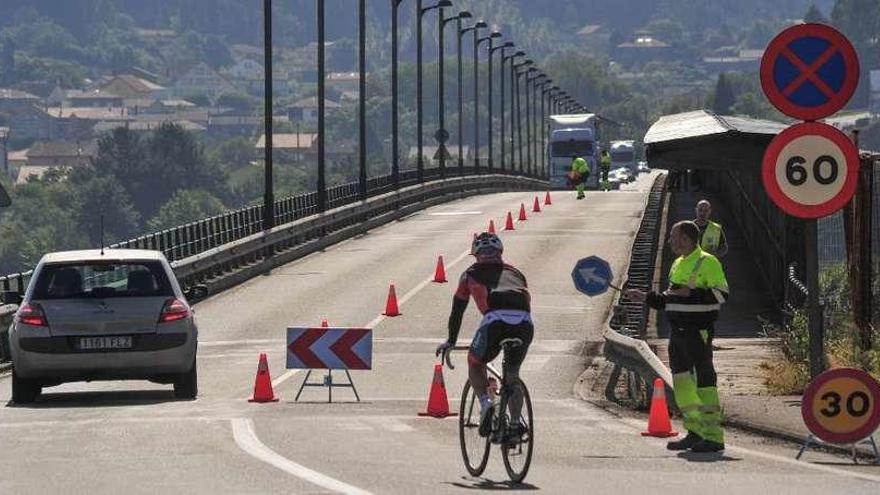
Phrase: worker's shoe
{"type": "Point", "coordinates": [707, 446]}
{"type": "Point", "coordinates": [581, 196]}
{"type": "Point", "coordinates": [685, 443]}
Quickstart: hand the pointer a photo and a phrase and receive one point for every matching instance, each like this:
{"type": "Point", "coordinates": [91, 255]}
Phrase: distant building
{"type": "Point", "coordinates": [232, 124]}
{"type": "Point", "coordinates": [246, 69]}
{"type": "Point", "coordinates": [128, 86]}
{"type": "Point", "coordinates": [44, 156]}
{"type": "Point", "coordinates": [202, 80]}
{"type": "Point", "coordinates": [306, 109]}
{"type": "Point", "coordinates": [343, 81]}
{"type": "Point", "coordinates": [96, 98]}
{"type": "Point", "coordinates": [13, 99]}
{"type": "Point", "coordinates": [289, 147]}
{"type": "Point", "coordinates": [642, 49]}
{"type": "Point", "coordinates": [742, 61]}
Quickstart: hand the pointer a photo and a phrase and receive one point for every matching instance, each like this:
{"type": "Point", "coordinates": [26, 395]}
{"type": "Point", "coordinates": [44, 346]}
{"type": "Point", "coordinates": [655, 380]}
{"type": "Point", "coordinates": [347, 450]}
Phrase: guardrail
{"type": "Point", "coordinates": [623, 347]}
{"type": "Point", "coordinates": [231, 263]}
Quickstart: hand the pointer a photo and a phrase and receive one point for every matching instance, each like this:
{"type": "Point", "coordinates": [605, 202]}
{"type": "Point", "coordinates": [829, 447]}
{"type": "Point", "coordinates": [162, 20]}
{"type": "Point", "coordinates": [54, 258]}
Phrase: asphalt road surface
{"type": "Point", "coordinates": [133, 437]}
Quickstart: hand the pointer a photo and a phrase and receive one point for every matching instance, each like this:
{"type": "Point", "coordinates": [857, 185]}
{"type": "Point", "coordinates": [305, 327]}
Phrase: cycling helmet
{"type": "Point", "coordinates": [486, 242]}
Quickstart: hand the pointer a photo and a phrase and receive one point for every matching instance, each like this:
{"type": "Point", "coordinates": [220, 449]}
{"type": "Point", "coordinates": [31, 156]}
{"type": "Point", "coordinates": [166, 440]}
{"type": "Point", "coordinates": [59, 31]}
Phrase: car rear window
{"type": "Point", "coordinates": [102, 280]}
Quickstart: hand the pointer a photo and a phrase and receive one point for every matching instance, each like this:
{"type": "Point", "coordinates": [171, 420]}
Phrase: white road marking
{"type": "Point", "coordinates": [281, 379]}
{"type": "Point", "coordinates": [243, 432]}
{"type": "Point", "coordinates": [238, 343]}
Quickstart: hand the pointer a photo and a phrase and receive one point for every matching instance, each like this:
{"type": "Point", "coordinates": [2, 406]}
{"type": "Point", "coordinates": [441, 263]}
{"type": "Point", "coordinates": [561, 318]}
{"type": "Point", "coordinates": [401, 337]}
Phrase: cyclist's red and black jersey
{"type": "Point", "coordinates": [494, 286]}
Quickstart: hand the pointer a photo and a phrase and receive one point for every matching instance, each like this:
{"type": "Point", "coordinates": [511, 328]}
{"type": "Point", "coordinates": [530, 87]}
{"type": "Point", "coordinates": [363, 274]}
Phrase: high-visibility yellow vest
{"type": "Point", "coordinates": [606, 160]}
{"type": "Point", "coordinates": [698, 270]}
{"type": "Point", "coordinates": [711, 237]}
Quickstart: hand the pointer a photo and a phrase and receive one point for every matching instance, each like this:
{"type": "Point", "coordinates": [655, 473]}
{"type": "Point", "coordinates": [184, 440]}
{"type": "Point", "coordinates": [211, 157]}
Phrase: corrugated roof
{"type": "Point", "coordinates": [14, 94]}
{"type": "Point", "coordinates": [702, 123]}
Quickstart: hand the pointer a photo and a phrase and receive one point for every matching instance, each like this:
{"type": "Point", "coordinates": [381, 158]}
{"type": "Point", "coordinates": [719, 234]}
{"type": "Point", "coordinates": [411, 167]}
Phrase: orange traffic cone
{"type": "Point", "coordinates": [509, 224]}
{"type": "Point", "coordinates": [391, 308]}
{"type": "Point", "coordinates": [522, 212]}
{"type": "Point", "coordinates": [263, 383]}
{"type": "Point", "coordinates": [324, 323]}
{"type": "Point", "coordinates": [440, 272]}
{"type": "Point", "coordinates": [547, 199]}
{"type": "Point", "coordinates": [537, 207]}
{"type": "Point", "coordinates": [658, 421]}
{"type": "Point", "coordinates": [438, 406]}
{"type": "Point", "coordinates": [491, 227]}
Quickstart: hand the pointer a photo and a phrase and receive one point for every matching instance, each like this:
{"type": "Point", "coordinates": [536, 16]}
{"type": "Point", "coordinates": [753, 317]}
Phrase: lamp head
{"type": "Point", "coordinates": [464, 14]}
{"type": "Point", "coordinates": [444, 3]}
{"type": "Point", "coordinates": [508, 44]}
{"type": "Point", "coordinates": [519, 54]}
{"type": "Point", "coordinates": [528, 61]}
{"type": "Point", "coordinates": [495, 34]}
{"type": "Point", "coordinates": [481, 24]}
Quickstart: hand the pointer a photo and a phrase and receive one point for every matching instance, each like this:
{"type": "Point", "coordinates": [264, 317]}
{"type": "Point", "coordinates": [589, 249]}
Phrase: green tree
{"type": "Point", "coordinates": [724, 97]}
{"type": "Point", "coordinates": [184, 207]}
{"type": "Point", "coordinates": [95, 197]}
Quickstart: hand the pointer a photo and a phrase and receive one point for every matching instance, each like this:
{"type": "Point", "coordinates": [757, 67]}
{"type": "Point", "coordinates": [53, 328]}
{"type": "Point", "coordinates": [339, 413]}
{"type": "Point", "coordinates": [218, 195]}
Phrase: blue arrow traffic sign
{"type": "Point", "coordinates": [592, 276]}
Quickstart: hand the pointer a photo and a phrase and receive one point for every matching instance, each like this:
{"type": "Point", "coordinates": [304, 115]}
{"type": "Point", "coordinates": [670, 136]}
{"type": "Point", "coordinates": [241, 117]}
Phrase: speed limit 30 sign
{"type": "Point", "coordinates": [811, 170]}
{"type": "Point", "coordinates": [842, 406]}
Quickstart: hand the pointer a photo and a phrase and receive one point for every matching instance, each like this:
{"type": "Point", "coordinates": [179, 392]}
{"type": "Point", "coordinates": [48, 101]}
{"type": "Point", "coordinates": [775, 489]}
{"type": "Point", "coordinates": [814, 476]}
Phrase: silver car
{"type": "Point", "coordinates": [112, 315]}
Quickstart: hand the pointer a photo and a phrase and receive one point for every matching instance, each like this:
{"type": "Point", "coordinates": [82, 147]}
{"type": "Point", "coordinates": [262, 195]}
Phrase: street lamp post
{"type": "Point", "coordinates": [514, 105]}
{"type": "Point", "coordinates": [322, 80]}
{"type": "Point", "coordinates": [362, 97]}
{"type": "Point", "coordinates": [421, 11]}
{"type": "Point", "coordinates": [536, 125]}
{"type": "Point", "coordinates": [461, 15]}
{"type": "Point", "coordinates": [477, 40]}
{"type": "Point", "coordinates": [545, 89]}
{"type": "Point", "coordinates": [506, 45]}
{"type": "Point", "coordinates": [268, 186]}
{"type": "Point", "coordinates": [443, 22]}
{"type": "Point", "coordinates": [519, 137]}
{"type": "Point", "coordinates": [491, 50]}
{"type": "Point", "coordinates": [395, 95]}
{"type": "Point", "coordinates": [505, 58]}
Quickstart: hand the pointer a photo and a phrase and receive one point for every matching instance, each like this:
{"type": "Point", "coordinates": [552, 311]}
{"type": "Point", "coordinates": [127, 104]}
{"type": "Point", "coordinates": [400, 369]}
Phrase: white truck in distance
{"type": "Point", "coordinates": [572, 136]}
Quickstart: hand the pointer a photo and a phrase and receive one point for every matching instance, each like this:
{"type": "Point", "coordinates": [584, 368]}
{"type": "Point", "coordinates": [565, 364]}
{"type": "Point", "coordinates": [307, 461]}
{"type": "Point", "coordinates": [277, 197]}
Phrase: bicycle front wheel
{"type": "Point", "coordinates": [474, 448]}
{"type": "Point", "coordinates": [517, 454]}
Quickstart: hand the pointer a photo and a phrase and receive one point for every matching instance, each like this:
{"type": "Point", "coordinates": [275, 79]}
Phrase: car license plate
{"type": "Point", "coordinates": [104, 343]}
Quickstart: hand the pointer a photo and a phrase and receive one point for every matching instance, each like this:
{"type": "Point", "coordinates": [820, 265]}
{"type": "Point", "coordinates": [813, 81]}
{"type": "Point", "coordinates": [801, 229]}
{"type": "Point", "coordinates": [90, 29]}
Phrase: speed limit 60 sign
{"type": "Point", "coordinates": [811, 170]}
{"type": "Point", "coordinates": [841, 406]}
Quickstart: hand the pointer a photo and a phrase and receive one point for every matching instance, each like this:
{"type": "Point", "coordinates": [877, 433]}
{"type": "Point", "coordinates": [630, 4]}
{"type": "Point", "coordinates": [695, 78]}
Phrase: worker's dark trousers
{"type": "Point", "coordinates": [695, 382]}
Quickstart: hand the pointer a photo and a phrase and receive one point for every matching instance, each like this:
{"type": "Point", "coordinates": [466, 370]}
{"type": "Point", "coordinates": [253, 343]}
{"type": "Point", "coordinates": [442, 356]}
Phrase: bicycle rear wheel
{"type": "Point", "coordinates": [474, 448]}
{"type": "Point", "coordinates": [518, 455]}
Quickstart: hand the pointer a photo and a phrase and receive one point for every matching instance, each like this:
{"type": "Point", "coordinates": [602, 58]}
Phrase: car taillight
{"type": "Point", "coordinates": [174, 310]}
{"type": "Point", "coordinates": [32, 314]}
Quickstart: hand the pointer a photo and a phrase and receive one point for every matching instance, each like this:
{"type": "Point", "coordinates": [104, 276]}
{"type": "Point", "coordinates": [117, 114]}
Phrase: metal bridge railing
{"type": "Point", "coordinates": [197, 237]}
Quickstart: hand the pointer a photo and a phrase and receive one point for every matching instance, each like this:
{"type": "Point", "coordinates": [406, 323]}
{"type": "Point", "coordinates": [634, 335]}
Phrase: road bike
{"type": "Point", "coordinates": [516, 450]}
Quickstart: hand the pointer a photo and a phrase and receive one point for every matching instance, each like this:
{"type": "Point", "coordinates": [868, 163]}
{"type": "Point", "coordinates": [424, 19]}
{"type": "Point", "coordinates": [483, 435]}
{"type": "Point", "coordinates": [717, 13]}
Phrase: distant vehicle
{"type": "Point", "coordinates": [116, 314]}
{"type": "Point", "coordinates": [643, 168]}
{"type": "Point", "coordinates": [623, 154]}
{"type": "Point", "coordinates": [619, 176]}
{"type": "Point", "coordinates": [572, 136]}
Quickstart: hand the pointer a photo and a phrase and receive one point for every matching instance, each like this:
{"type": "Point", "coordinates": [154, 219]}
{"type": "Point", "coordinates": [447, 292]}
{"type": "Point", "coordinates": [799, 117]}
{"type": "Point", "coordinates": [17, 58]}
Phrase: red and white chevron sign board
{"type": "Point", "coordinates": [329, 348]}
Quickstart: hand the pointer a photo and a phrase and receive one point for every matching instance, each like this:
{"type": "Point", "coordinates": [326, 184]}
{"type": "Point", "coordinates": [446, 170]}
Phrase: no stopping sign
{"type": "Point", "coordinates": [811, 170]}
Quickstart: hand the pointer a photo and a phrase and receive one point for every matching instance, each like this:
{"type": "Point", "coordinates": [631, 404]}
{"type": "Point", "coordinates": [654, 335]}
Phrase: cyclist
{"type": "Point", "coordinates": [502, 296]}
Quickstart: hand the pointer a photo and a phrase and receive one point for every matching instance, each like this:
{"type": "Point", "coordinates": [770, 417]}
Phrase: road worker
{"type": "Point", "coordinates": [712, 239]}
{"type": "Point", "coordinates": [580, 171]}
{"type": "Point", "coordinates": [697, 289]}
{"type": "Point", "coordinates": [605, 166]}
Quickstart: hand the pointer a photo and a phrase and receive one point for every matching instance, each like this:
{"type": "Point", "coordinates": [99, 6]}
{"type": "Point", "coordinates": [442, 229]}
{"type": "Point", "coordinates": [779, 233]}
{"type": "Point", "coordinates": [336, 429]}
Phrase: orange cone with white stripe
{"type": "Point", "coordinates": [522, 212]}
{"type": "Point", "coordinates": [537, 207]}
{"type": "Point", "coordinates": [440, 272]}
{"type": "Point", "coordinates": [391, 307]}
{"type": "Point", "coordinates": [491, 227]}
{"type": "Point", "coordinates": [658, 420]}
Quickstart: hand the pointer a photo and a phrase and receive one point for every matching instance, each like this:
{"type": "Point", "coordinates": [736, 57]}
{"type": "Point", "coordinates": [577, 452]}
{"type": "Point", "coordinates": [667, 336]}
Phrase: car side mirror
{"type": "Point", "coordinates": [11, 297]}
{"type": "Point", "coordinates": [197, 292]}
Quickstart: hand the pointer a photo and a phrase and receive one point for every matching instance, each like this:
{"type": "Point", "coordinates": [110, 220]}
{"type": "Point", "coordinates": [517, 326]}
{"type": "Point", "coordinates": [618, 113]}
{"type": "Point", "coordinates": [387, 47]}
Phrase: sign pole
{"type": "Point", "coordinates": [816, 330]}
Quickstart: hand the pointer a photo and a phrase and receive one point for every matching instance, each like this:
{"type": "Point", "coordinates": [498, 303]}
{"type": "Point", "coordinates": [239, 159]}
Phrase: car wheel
{"type": "Point", "coordinates": [186, 386]}
{"type": "Point", "coordinates": [24, 391]}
